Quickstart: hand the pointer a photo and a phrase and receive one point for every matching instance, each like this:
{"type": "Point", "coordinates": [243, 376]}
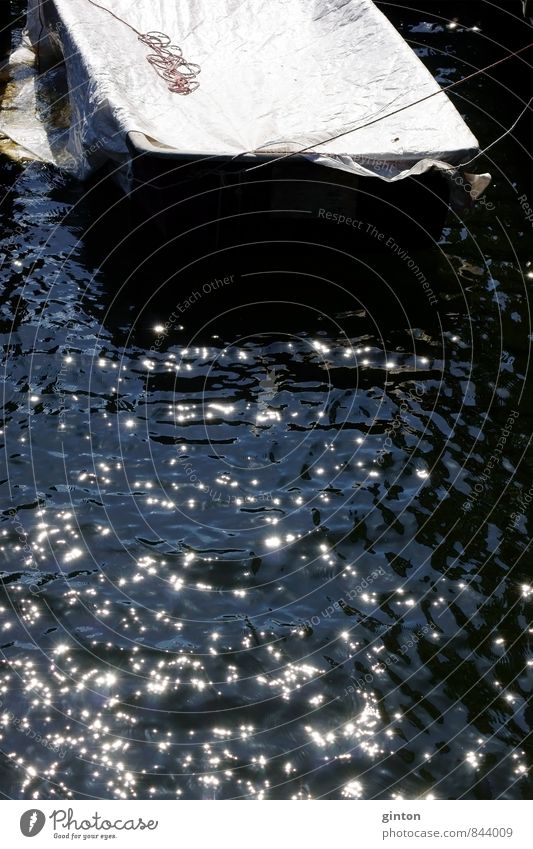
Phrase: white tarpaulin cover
{"type": "Point", "coordinates": [276, 76]}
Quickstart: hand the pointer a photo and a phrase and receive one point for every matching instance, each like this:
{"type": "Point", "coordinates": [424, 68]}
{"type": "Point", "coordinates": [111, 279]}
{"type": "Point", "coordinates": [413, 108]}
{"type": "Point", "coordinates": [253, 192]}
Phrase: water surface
{"type": "Point", "coordinates": [281, 561]}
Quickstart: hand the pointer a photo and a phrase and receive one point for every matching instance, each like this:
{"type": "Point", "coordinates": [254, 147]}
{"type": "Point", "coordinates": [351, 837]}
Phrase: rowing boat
{"type": "Point", "coordinates": [318, 105]}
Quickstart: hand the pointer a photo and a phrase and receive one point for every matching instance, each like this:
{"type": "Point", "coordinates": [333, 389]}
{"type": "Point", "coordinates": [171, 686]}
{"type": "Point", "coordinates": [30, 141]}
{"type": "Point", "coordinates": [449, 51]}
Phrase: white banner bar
{"type": "Point", "coordinates": [264, 824]}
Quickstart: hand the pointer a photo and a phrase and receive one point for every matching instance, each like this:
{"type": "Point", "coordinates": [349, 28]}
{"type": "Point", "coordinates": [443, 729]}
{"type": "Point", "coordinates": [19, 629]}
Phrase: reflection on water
{"type": "Point", "coordinates": [264, 564]}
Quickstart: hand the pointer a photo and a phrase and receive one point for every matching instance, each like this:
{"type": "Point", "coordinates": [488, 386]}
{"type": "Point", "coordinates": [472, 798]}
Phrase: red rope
{"type": "Point", "coordinates": [168, 61]}
{"type": "Point", "coordinates": [167, 58]}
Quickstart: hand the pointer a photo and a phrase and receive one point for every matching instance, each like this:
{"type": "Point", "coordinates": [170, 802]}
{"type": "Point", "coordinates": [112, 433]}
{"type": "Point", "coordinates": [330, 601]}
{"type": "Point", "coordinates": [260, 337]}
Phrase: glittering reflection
{"type": "Point", "coordinates": [240, 567]}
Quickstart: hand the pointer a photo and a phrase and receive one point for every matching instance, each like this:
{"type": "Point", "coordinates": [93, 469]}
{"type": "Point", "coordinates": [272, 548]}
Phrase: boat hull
{"type": "Point", "coordinates": [222, 201]}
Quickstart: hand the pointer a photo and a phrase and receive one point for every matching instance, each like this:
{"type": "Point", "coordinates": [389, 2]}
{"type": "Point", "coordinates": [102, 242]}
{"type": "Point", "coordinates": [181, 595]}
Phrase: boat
{"type": "Point", "coordinates": [314, 114]}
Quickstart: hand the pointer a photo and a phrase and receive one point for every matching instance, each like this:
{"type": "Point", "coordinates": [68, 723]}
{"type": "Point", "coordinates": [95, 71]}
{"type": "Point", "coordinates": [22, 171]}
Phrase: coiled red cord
{"type": "Point", "coordinates": [168, 61]}
{"type": "Point", "coordinates": [167, 58]}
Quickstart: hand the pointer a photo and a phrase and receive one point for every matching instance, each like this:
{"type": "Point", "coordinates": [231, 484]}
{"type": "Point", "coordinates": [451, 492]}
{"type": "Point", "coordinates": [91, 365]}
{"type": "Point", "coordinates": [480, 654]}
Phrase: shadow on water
{"type": "Point", "coordinates": [280, 276]}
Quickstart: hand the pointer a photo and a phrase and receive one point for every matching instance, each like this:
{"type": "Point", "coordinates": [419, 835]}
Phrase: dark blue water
{"type": "Point", "coordinates": [279, 561]}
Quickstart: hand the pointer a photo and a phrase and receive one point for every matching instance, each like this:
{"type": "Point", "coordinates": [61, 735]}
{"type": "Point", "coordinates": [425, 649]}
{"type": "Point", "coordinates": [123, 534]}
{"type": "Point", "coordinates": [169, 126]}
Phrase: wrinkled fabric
{"type": "Point", "coordinates": [275, 77]}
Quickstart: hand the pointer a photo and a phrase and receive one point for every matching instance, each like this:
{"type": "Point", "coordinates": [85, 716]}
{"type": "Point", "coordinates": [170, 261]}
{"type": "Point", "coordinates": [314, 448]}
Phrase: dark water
{"type": "Point", "coordinates": [290, 561]}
